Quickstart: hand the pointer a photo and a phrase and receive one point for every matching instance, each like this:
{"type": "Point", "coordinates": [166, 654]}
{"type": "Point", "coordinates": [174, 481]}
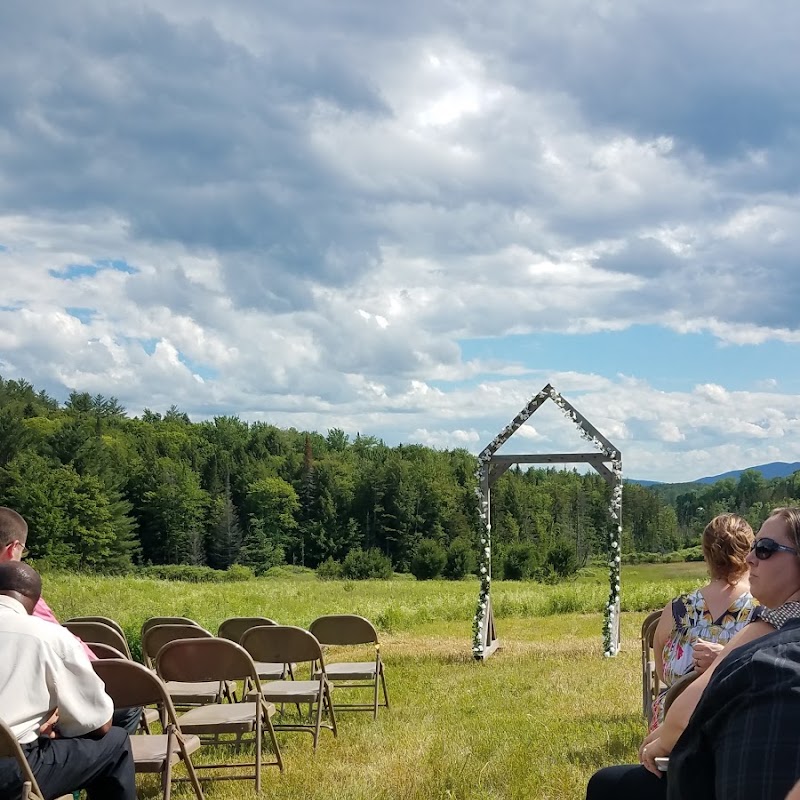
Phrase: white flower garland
{"type": "Point", "coordinates": [611, 611]}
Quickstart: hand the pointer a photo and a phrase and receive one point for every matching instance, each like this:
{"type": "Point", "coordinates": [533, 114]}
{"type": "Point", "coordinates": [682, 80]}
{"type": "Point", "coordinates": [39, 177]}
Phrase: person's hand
{"type": "Point", "coordinates": [48, 727]}
{"type": "Point", "coordinates": [795, 793]}
{"type": "Point", "coordinates": [653, 749]}
{"type": "Point", "coordinates": [654, 734]}
{"type": "Point", "coordinates": [704, 654]}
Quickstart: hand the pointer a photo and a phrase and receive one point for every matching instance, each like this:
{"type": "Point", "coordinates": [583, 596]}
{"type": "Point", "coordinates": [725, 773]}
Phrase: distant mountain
{"type": "Point", "coordinates": [775, 469]}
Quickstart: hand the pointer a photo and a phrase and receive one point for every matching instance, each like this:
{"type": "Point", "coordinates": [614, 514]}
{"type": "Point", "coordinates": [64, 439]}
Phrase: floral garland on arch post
{"type": "Point", "coordinates": [484, 562]}
{"type": "Point", "coordinates": [612, 607]}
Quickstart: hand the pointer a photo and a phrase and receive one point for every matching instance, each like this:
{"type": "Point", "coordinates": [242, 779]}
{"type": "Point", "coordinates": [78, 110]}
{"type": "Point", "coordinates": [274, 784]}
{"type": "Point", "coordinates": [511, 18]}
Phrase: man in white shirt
{"type": "Point", "coordinates": [13, 536]}
{"type": "Point", "coordinates": [54, 703]}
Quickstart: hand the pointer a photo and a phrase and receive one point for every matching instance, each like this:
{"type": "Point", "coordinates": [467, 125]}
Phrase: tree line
{"type": "Point", "coordinates": [105, 491]}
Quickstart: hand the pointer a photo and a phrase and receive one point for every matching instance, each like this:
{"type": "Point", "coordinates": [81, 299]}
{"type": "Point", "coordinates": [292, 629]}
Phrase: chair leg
{"type": "Point", "coordinates": [331, 713]}
{"type": "Point", "coordinates": [190, 769]}
{"type": "Point", "coordinates": [320, 703]}
{"type": "Point", "coordinates": [274, 739]}
{"type": "Point", "coordinates": [383, 683]}
{"type": "Point", "coordinates": [258, 749]}
{"type": "Point", "coordinates": [166, 775]}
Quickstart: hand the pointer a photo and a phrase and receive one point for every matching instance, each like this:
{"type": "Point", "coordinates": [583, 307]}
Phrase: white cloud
{"type": "Point", "coordinates": [320, 218]}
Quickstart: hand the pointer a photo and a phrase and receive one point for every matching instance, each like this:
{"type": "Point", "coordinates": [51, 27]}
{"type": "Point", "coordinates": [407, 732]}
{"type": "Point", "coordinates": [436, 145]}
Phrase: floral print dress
{"type": "Point", "coordinates": [693, 621]}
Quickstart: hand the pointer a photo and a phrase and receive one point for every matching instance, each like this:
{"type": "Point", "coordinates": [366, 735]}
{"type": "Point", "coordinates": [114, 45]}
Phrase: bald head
{"type": "Point", "coordinates": [21, 582]}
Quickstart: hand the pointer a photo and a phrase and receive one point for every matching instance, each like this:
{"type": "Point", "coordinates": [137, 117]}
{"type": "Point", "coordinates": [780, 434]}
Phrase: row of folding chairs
{"type": "Point", "coordinates": [102, 633]}
{"type": "Point", "coordinates": [186, 666]}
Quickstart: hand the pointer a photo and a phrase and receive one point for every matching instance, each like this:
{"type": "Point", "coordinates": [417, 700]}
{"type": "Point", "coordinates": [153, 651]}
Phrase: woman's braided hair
{"type": "Point", "coordinates": [726, 543]}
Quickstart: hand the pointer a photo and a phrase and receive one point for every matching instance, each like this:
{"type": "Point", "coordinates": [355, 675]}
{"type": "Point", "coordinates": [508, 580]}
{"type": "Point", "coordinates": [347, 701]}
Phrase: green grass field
{"type": "Point", "coordinates": [534, 721]}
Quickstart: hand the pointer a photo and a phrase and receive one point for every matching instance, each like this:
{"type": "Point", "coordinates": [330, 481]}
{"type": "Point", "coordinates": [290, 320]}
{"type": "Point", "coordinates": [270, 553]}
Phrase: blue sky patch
{"type": "Point", "coordinates": [85, 315]}
{"type": "Point", "coordinates": [672, 361]}
{"type": "Point", "coordinates": [196, 368]}
{"type": "Point", "coordinates": [76, 271]}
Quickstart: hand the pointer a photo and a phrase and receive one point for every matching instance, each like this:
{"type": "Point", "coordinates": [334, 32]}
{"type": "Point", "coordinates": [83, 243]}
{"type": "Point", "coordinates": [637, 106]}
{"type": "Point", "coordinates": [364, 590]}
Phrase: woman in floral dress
{"type": "Point", "coordinates": [694, 627]}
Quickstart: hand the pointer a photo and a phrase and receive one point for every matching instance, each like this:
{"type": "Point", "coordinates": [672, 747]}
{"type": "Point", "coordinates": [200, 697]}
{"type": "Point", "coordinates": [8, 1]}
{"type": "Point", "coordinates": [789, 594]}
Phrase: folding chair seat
{"type": "Point", "coordinates": [288, 644]}
{"type": "Point", "coordinates": [220, 660]}
{"type": "Point", "coordinates": [650, 681]}
{"type": "Point", "coordinates": [194, 693]}
{"type": "Point", "coordinates": [234, 628]}
{"type": "Point", "coordinates": [131, 684]}
{"type": "Point", "coordinates": [347, 630]}
{"type": "Point", "coordinates": [10, 748]}
{"type": "Point", "coordinates": [92, 631]}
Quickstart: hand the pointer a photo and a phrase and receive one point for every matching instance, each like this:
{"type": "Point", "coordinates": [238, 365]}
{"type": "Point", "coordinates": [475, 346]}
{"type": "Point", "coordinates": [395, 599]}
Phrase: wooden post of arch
{"type": "Point", "coordinates": [606, 460]}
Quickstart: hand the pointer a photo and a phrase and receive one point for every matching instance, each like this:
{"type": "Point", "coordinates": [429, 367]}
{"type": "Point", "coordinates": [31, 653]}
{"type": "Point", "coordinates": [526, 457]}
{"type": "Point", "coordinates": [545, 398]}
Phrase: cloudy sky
{"type": "Point", "coordinates": [405, 218]}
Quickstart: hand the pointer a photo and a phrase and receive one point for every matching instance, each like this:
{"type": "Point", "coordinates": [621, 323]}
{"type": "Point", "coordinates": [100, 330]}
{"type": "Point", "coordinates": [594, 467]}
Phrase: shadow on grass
{"type": "Point", "coordinates": [615, 747]}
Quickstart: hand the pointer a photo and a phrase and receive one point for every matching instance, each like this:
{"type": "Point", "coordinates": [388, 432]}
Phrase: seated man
{"type": "Point", "coordinates": [13, 535]}
{"type": "Point", "coordinates": [54, 703]}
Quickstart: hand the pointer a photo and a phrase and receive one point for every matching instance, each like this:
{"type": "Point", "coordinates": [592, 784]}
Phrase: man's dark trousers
{"type": "Point", "coordinates": [104, 767]}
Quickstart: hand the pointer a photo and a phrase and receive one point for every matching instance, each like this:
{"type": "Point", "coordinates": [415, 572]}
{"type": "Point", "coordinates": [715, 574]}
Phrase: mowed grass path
{"type": "Point", "coordinates": [533, 722]}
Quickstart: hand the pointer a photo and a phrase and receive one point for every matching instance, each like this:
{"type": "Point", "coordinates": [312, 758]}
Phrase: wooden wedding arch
{"type": "Point", "coordinates": [607, 460]}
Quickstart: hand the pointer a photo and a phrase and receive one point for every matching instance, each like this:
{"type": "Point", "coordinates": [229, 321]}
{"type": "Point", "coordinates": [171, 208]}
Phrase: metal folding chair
{"type": "Point", "coordinates": [220, 660]}
{"type": "Point", "coordinates": [350, 629]}
{"type": "Point", "coordinates": [288, 644]}
{"type": "Point", "coordinates": [131, 684]}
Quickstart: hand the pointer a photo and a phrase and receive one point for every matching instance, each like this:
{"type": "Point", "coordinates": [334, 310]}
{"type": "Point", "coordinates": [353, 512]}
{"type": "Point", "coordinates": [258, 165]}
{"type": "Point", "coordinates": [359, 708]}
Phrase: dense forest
{"type": "Point", "coordinates": [105, 491]}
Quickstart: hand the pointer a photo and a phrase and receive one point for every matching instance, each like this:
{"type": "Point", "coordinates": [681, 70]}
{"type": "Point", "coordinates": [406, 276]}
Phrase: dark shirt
{"type": "Point", "coordinates": [743, 739]}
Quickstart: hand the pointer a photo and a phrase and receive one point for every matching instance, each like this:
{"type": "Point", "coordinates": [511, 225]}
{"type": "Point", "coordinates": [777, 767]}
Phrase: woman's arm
{"type": "Point", "coordinates": [663, 630]}
{"type": "Point", "coordinates": [677, 718]}
{"type": "Point", "coordinates": [661, 741]}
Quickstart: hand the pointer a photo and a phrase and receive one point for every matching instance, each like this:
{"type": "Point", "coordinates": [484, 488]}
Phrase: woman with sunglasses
{"type": "Point", "coordinates": [774, 562]}
{"type": "Point", "coordinates": [696, 626]}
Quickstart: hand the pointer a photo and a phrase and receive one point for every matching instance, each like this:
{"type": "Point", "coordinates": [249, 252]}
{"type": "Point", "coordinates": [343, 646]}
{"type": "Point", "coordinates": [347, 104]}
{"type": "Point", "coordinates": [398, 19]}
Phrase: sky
{"type": "Point", "coordinates": [404, 219]}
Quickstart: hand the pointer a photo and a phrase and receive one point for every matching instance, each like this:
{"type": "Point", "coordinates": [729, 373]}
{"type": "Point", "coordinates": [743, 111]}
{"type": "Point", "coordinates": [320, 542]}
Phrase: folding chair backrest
{"type": "Point", "coordinates": [159, 635]}
{"type": "Point", "coordinates": [151, 622]}
{"type": "Point", "coordinates": [105, 650]}
{"type": "Point", "coordinates": [649, 676]}
{"type": "Point", "coordinates": [281, 644]}
{"type": "Point", "coordinates": [99, 632]}
{"type": "Point", "coordinates": [343, 629]}
{"type": "Point", "coordinates": [10, 748]}
{"type": "Point", "coordinates": [233, 628]}
{"type": "Point", "coordinates": [105, 620]}
{"type": "Point", "coordinates": [130, 684]}
{"type": "Point", "coordinates": [199, 660]}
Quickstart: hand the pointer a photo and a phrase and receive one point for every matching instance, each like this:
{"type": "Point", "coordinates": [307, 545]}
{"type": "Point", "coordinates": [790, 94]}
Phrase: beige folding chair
{"type": "Point", "coordinates": [91, 631]}
{"type": "Point", "coordinates": [10, 748]}
{"type": "Point", "coordinates": [153, 621]}
{"type": "Point", "coordinates": [220, 660]}
{"type": "Point", "coordinates": [287, 644]}
{"type": "Point", "coordinates": [650, 681]}
{"type": "Point", "coordinates": [103, 651]}
{"type": "Point", "coordinates": [184, 694]}
{"type": "Point", "coordinates": [350, 629]}
{"type": "Point", "coordinates": [234, 628]}
{"type": "Point", "coordinates": [131, 684]}
{"type": "Point", "coordinates": [105, 620]}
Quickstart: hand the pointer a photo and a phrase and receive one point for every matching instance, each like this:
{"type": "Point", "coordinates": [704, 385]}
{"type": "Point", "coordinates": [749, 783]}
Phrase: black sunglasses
{"type": "Point", "coordinates": [765, 547]}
